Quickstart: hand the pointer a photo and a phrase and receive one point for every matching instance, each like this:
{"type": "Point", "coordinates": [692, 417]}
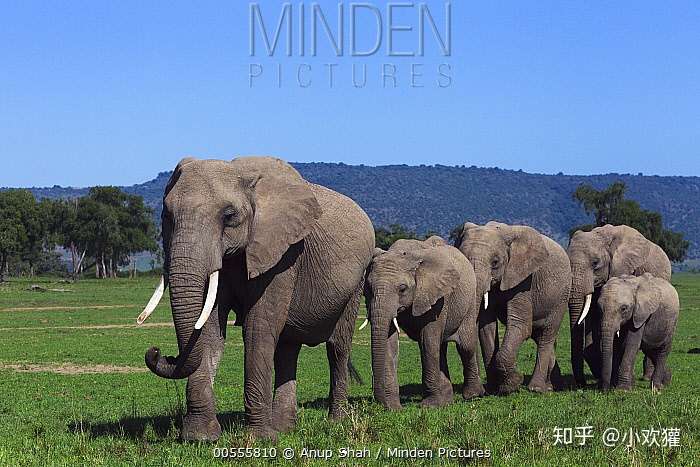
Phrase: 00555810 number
{"type": "Point", "coordinates": [245, 453]}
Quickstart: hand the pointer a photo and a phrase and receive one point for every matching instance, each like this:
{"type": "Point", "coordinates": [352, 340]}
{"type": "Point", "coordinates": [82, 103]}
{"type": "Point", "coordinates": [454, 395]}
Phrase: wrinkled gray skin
{"type": "Point", "coordinates": [291, 257]}
{"type": "Point", "coordinates": [645, 311]}
{"type": "Point", "coordinates": [596, 257]}
{"type": "Point", "coordinates": [528, 279]}
{"type": "Point", "coordinates": [429, 287]}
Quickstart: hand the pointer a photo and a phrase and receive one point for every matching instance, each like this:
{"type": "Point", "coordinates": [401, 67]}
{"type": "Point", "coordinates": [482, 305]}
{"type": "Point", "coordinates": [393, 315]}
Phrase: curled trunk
{"type": "Point", "coordinates": [187, 290]}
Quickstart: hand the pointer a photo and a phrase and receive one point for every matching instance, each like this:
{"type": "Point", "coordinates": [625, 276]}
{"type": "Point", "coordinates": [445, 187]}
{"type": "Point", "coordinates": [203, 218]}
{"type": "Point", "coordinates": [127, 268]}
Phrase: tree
{"type": "Point", "coordinates": [385, 237]}
{"type": "Point", "coordinates": [22, 232]}
{"type": "Point", "coordinates": [609, 206]}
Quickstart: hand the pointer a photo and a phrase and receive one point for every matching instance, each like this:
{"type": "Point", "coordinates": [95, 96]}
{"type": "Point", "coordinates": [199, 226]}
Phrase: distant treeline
{"type": "Point", "coordinates": [101, 230]}
{"type": "Point", "coordinates": [106, 227]}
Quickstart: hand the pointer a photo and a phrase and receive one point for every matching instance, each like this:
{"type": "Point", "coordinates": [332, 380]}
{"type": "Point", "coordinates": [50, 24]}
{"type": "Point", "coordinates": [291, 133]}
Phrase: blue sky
{"type": "Point", "coordinates": [114, 92]}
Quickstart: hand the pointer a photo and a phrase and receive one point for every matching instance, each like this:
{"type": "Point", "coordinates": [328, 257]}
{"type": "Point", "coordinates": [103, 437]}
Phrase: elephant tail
{"type": "Point", "coordinates": [354, 374]}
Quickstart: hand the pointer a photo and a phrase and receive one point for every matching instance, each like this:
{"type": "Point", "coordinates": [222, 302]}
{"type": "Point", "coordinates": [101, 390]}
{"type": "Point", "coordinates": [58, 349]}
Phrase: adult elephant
{"type": "Point", "coordinates": [286, 255]}
{"type": "Point", "coordinates": [525, 279]}
{"type": "Point", "coordinates": [596, 256]}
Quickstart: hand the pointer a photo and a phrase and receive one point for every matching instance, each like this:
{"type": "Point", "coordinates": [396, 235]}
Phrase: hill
{"type": "Point", "coordinates": [440, 197]}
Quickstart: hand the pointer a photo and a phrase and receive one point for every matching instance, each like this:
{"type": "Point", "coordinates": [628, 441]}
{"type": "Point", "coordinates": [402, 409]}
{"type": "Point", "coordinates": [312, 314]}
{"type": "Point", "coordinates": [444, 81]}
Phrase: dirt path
{"type": "Point", "coordinates": [69, 368]}
{"type": "Point", "coordinates": [67, 307]}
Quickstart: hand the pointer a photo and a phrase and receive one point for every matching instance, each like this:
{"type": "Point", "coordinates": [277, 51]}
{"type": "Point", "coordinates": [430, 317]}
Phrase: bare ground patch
{"type": "Point", "coordinates": [66, 307]}
{"type": "Point", "coordinates": [69, 368]}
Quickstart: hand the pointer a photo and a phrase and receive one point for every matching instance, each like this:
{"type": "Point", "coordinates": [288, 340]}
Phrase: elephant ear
{"type": "Point", "coordinates": [648, 300]}
{"type": "Point", "coordinates": [458, 234]}
{"type": "Point", "coordinates": [286, 210]}
{"type": "Point", "coordinates": [527, 253]}
{"type": "Point", "coordinates": [436, 277]}
{"type": "Point", "coordinates": [628, 248]}
{"type": "Point", "coordinates": [176, 174]}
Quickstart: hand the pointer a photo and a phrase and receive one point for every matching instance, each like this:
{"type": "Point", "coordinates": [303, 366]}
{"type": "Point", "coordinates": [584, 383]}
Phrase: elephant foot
{"type": "Point", "coordinates": [285, 421]}
{"type": "Point", "coordinates": [435, 401]}
{"type": "Point", "coordinates": [200, 429]}
{"type": "Point", "coordinates": [511, 383]}
{"type": "Point", "coordinates": [393, 405]}
{"type": "Point", "coordinates": [540, 386]}
{"type": "Point", "coordinates": [474, 391]}
{"type": "Point", "coordinates": [624, 386]}
{"type": "Point", "coordinates": [263, 433]}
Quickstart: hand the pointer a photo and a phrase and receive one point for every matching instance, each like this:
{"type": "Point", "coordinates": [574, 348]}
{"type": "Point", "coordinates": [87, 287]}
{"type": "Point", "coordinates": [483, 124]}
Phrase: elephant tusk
{"type": "Point", "coordinates": [153, 302]}
{"type": "Point", "coordinates": [209, 301]}
{"type": "Point", "coordinates": [396, 323]}
{"type": "Point", "coordinates": [486, 300]}
{"type": "Point", "coordinates": [364, 323]}
{"type": "Point", "coordinates": [586, 307]}
{"type": "Point", "coordinates": [618, 333]}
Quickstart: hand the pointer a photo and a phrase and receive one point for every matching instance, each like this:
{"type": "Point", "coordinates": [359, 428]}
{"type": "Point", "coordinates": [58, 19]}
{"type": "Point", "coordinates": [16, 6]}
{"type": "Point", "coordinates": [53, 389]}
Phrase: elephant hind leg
{"type": "Point", "coordinates": [338, 350]}
{"type": "Point", "coordinates": [662, 374]}
{"type": "Point", "coordinates": [545, 362]}
{"type": "Point", "coordinates": [648, 368]}
{"type": "Point", "coordinates": [284, 404]}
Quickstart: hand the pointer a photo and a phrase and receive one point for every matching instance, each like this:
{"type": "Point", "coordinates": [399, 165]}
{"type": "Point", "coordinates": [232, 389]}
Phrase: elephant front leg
{"type": "Point", "coordinates": [200, 423]}
{"type": "Point", "coordinates": [438, 389]}
{"type": "Point", "coordinates": [544, 361]}
{"type": "Point", "coordinates": [632, 342]}
{"type": "Point", "coordinates": [518, 327]}
{"type": "Point", "coordinates": [284, 405]}
{"type": "Point", "coordinates": [648, 368]}
{"type": "Point", "coordinates": [662, 373]}
{"type": "Point", "coordinates": [466, 347]}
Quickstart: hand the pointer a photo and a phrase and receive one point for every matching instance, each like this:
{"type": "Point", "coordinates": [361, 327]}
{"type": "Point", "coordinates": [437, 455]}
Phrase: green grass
{"type": "Point", "coordinates": [124, 419]}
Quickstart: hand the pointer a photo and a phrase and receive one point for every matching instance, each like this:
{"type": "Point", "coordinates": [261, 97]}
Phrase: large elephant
{"type": "Point", "coordinates": [525, 279]}
{"type": "Point", "coordinates": [644, 311]}
{"type": "Point", "coordinates": [286, 255]}
{"type": "Point", "coordinates": [596, 256]}
{"type": "Point", "coordinates": [426, 288]}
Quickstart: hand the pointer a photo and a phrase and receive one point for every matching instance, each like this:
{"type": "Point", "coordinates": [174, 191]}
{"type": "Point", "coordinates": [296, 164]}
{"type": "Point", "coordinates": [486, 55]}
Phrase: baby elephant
{"type": "Point", "coordinates": [643, 311]}
{"type": "Point", "coordinates": [428, 290]}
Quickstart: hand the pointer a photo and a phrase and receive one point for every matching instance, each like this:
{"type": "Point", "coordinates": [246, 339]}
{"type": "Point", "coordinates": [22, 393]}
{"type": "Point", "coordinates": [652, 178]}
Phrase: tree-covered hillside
{"type": "Point", "coordinates": [439, 197]}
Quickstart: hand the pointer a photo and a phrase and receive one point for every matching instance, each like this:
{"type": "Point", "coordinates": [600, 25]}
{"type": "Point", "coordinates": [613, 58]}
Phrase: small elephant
{"type": "Point", "coordinates": [288, 256]}
{"type": "Point", "coordinates": [427, 288]}
{"type": "Point", "coordinates": [525, 279]}
{"type": "Point", "coordinates": [644, 311]}
{"type": "Point", "coordinates": [596, 256]}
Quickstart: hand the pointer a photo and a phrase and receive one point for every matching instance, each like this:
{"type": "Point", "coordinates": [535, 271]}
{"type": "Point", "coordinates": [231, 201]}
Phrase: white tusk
{"type": "Point", "coordinates": [364, 323]}
{"type": "Point", "coordinates": [396, 323]}
{"type": "Point", "coordinates": [209, 301]}
{"type": "Point", "coordinates": [486, 300]}
{"type": "Point", "coordinates": [153, 302]}
{"type": "Point", "coordinates": [618, 333]}
{"type": "Point", "coordinates": [586, 307]}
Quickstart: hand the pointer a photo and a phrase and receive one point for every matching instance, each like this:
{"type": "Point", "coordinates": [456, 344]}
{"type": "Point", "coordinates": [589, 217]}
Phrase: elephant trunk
{"type": "Point", "coordinates": [483, 282]}
{"type": "Point", "coordinates": [606, 345]}
{"type": "Point", "coordinates": [187, 277]}
{"type": "Point", "coordinates": [580, 290]}
{"type": "Point", "coordinates": [380, 332]}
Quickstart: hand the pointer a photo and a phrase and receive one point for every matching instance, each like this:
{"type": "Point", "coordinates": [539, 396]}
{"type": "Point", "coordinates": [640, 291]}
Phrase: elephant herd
{"type": "Point", "coordinates": [293, 259]}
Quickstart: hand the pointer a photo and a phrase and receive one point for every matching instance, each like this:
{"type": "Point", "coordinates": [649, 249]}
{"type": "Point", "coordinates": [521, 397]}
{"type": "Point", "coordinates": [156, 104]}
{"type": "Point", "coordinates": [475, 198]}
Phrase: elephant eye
{"type": "Point", "coordinates": [230, 217]}
{"type": "Point", "coordinates": [402, 287]}
{"type": "Point", "coordinates": [624, 308]}
{"type": "Point", "coordinates": [494, 263]}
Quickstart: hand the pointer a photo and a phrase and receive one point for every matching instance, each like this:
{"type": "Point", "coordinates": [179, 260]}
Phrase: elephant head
{"type": "Point", "coordinates": [502, 255]}
{"type": "Point", "coordinates": [595, 257]}
{"type": "Point", "coordinates": [212, 210]}
{"type": "Point", "coordinates": [402, 282]}
{"type": "Point", "coordinates": [625, 299]}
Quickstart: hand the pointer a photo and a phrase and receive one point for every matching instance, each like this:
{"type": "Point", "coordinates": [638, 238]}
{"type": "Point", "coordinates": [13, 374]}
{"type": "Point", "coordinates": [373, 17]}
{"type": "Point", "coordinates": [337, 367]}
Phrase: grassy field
{"type": "Point", "coordinates": [74, 391]}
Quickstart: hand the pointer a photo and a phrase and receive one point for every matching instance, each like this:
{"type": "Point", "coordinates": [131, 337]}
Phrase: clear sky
{"type": "Point", "coordinates": [97, 92]}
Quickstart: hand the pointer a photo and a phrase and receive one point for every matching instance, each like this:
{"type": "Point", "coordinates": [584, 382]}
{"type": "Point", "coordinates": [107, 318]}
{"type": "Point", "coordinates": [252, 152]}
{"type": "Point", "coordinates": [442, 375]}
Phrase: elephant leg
{"type": "Point", "coordinates": [284, 404]}
{"type": "Point", "coordinates": [200, 423]}
{"type": "Point", "coordinates": [518, 328]}
{"type": "Point", "coordinates": [631, 344]}
{"type": "Point", "coordinates": [488, 338]}
{"type": "Point", "coordinates": [591, 352]}
{"type": "Point", "coordinates": [648, 368]}
{"type": "Point", "coordinates": [544, 361]}
{"type": "Point", "coordinates": [662, 373]}
{"type": "Point", "coordinates": [338, 350]}
{"type": "Point", "coordinates": [444, 367]}
{"type": "Point", "coordinates": [466, 347]}
{"type": "Point", "coordinates": [261, 330]}
{"type": "Point", "coordinates": [438, 389]}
